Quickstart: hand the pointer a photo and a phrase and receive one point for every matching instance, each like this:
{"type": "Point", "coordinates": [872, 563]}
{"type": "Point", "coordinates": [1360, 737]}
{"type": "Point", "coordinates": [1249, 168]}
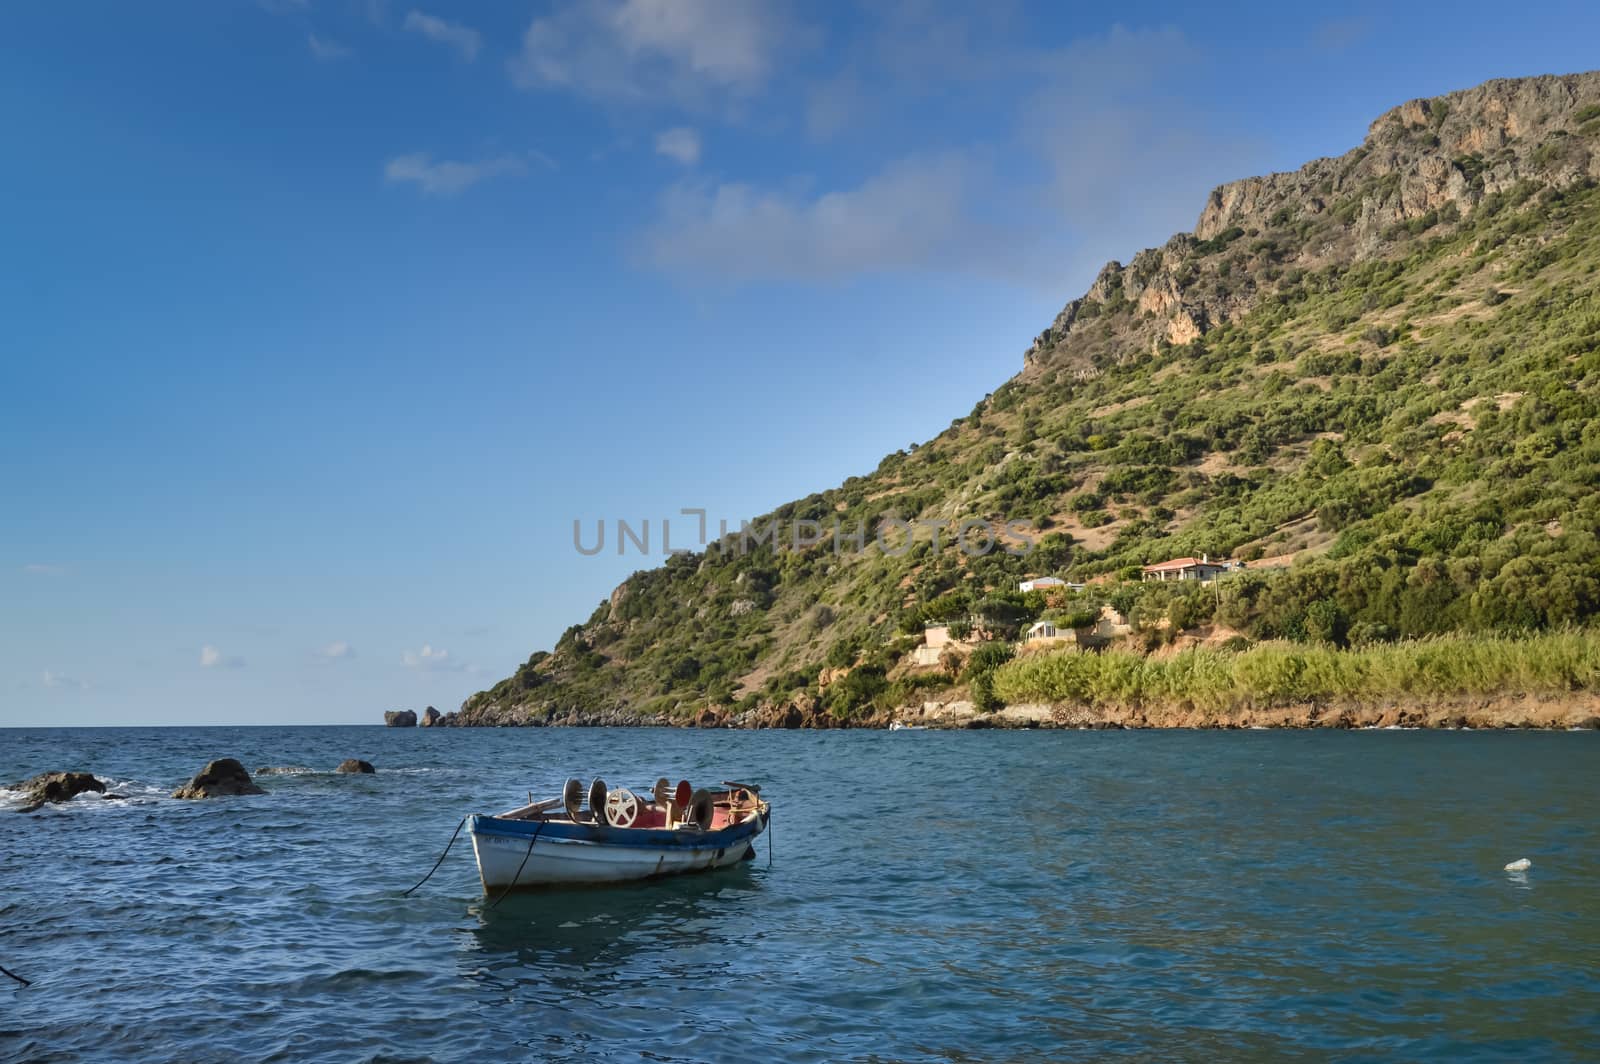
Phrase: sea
{"type": "Point", "coordinates": [922, 896]}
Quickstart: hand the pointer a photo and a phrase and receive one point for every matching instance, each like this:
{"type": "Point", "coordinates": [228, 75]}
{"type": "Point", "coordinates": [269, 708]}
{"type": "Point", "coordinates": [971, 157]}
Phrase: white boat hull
{"type": "Point", "coordinates": [504, 862]}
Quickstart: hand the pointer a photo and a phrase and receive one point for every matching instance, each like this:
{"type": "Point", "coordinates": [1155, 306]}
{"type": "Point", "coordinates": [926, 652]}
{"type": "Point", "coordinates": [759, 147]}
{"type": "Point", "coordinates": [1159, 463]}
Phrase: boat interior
{"type": "Point", "coordinates": [667, 808]}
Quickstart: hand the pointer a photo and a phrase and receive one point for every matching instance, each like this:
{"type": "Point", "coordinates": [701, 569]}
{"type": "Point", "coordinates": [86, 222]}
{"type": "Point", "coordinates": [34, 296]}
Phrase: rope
{"type": "Point", "coordinates": [18, 978]}
{"type": "Point", "coordinates": [520, 867]}
{"type": "Point", "coordinates": [437, 863]}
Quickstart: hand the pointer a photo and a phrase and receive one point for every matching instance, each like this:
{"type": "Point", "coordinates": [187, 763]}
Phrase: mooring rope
{"type": "Point", "coordinates": [520, 867]}
{"type": "Point", "coordinates": [440, 861]}
{"type": "Point", "coordinates": [18, 978]}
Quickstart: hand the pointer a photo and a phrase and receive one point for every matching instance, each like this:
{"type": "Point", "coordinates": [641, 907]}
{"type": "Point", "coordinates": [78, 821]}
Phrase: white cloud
{"type": "Point", "coordinates": [325, 49]}
{"type": "Point", "coordinates": [647, 51]}
{"type": "Point", "coordinates": [446, 178]}
{"type": "Point", "coordinates": [338, 650]}
{"type": "Point", "coordinates": [914, 214]}
{"type": "Point", "coordinates": [463, 39]}
{"type": "Point", "coordinates": [682, 144]}
{"type": "Point", "coordinates": [431, 659]}
{"type": "Point", "coordinates": [1096, 153]}
{"type": "Point", "coordinates": [57, 681]}
{"type": "Point", "coordinates": [212, 658]}
{"type": "Point", "coordinates": [40, 569]}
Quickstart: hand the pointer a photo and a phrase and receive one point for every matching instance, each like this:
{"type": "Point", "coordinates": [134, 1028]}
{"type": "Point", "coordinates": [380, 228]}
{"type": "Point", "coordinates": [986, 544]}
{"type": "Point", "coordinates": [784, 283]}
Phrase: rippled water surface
{"type": "Point", "coordinates": [933, 895]}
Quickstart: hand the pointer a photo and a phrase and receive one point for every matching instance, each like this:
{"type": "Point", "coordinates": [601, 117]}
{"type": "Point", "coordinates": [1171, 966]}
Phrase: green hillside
{"type": "Point", "coordinates": [1372, 380]}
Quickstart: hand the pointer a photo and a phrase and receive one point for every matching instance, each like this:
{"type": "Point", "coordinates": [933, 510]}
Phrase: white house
{"type": "Point", "coordinates": [1202, 569]}
{"type": "Point", "coordinates": [1041, 632]}
{"type": "Point", "coordinates": [1039, 583]}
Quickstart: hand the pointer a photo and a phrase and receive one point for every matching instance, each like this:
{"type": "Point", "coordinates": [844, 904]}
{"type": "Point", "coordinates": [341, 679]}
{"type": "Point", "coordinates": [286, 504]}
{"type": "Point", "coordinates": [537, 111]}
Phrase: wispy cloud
{"type": "Point", "coordinates": [59, 682]}
{"type": "Point", "coordinates": [463, 39]}
{"type": "Point", "coordinates": [325, 49]}
{"type": "Point", "coordinates": [431, 659]}
{"type": "Point", "coordinates": [913, 214]}
{"type": "Point", "coordinates": [212, 658]}
{"type": "Point", "coordinates": [1107, 120]}
{"type": "Point", "coordinates": [682, 144]}
{"type": "Point", "coordinates": [445, 177]}
{"type": "Point", "coordinates": [656, 51]}
{"type": "Point", "coordinates": [1087, 131]}
{"type": "Point", "coordinates": [1339, 34]}
{"type": "Point", "coordinates": [40, 569]}
{"type": "Point", "coordinates": [338, 650]}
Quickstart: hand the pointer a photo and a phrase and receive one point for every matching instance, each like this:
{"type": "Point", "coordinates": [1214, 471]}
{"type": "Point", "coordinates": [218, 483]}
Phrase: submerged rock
{"type": "Point", "coordinates": [284, 770]}
{"type": "Point", "coordinates": [57, 787]}
{"type": "Point", "coordinates": [400, 718]}
{"type": "Point", "coordinates": [351, 764]}
{"type": "Point", "coordinates": [224, 777]}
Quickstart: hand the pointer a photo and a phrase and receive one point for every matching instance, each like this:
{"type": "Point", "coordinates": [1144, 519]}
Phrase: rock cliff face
{"type": "Point", "coordinates": [400, 718]}
{"type": "Point", "coordinates": [1427, 160]}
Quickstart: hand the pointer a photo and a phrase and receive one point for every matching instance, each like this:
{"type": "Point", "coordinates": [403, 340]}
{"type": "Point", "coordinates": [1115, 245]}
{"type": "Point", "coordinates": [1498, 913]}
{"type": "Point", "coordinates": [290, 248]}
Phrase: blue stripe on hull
{"type": "Point", "coordinates": [641, 838]}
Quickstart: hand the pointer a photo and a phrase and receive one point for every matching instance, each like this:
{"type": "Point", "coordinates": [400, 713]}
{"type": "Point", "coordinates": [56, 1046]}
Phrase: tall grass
{"type": "Point", "coordinates": [1279, 674]}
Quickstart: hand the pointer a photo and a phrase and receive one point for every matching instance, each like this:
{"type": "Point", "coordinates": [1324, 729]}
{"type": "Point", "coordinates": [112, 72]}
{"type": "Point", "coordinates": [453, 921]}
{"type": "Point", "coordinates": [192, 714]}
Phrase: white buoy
{"type": "Point", "coordinates": [1521, 864]}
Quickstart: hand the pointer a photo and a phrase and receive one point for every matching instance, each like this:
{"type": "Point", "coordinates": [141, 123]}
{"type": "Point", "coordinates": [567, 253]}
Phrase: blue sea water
{"type": "Point", "coordinates": [961, 896]}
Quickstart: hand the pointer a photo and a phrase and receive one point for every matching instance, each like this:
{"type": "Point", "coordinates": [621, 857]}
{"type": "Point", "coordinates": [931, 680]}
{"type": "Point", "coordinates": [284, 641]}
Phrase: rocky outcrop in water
{"type": "Point", "coordinates": [49, 787]}
{"type": "Point", "coordinates": [353, 765]}
{"type": "Point", "coordinates": [430, 718]}
{"type": "Point", "coordinates": [400, 718]}
{"type": "Point", "coordinates": [225, 777]}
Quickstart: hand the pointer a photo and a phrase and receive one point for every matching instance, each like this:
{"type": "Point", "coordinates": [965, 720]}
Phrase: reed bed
{"type": "Point", "coordinates": [1282, 673]}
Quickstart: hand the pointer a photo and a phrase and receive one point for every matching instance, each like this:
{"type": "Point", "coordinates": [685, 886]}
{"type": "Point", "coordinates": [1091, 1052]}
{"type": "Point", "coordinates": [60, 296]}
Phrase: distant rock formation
{"type": "Point", "coordinates": [220, 778]}
{"type": "Point", "coordinates": [57, 787]}
{"type": "Point", "coordinates": [400, 718]}
{"type": "Point", "coordinates": [430, 718]}
{"type": "Point", "coordinates": [351, 764]}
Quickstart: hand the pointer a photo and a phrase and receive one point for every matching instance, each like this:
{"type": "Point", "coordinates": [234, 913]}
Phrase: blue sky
{"type": "Point", "coordinates": [323, 320]}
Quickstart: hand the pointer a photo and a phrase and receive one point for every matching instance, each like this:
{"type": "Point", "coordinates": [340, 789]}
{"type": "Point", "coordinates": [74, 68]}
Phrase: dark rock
{"type": "Point", "coordinates": [400, 718]}
{"type": "Point", "coordinates": [224, 777]}
{"type": "Point", "coordinates": [979, 724]}
{"type": "Point", "coordinates": [57, 787]}
{"type": "Point", "coordinates": [430, 718]}
{"type": "Point", "coordinates": [352, 765]}
{"type": "Point", "coordinates": [1591, 723]}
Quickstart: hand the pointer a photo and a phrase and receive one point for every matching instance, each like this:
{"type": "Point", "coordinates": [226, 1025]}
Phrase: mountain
{"type": "Point", "coordinates": [1372, 380]}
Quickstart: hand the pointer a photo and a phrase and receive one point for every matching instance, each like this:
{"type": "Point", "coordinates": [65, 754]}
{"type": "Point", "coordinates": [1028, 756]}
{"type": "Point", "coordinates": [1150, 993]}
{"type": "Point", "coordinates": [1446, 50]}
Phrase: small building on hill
{"type": "Point", "coordinates": [936, 638]}
{"type": "Point", "coordinates": [1039, 583]}
{"type": "Point", "coordinates": [1202, 569]}
{"type": "Point", "coordinates": [1043, 632]}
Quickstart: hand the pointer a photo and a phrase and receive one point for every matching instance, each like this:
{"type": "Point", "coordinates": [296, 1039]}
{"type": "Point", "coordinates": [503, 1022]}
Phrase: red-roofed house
{"type": "Point", "coordinates": [1201, 569]}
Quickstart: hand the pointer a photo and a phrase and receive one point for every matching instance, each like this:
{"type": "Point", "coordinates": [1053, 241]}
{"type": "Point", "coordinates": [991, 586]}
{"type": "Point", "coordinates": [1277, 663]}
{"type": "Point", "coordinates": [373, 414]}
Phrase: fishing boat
{"type": "Point", "coordinates": [612, 836]}
{"type": "Point", "coordinates": [895, 725]}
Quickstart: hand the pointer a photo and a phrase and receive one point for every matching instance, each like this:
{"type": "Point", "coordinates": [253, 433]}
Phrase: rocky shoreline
{"type": "Point", "coordinates": [1577, 710]}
